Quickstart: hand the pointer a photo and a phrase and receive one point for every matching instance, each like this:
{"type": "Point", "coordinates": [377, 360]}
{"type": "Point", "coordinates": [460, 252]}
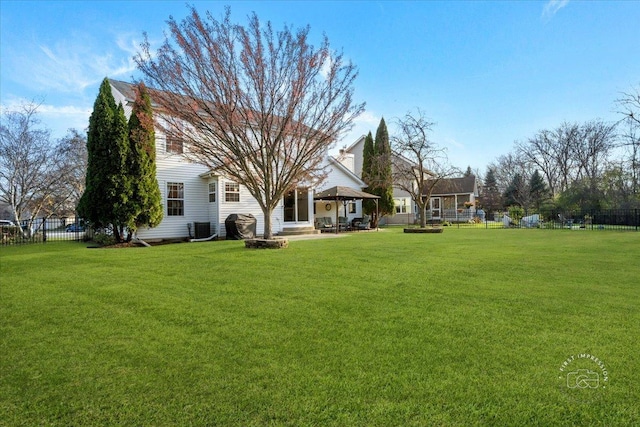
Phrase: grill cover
{"type": "Point", "coordinates": [240, 226]}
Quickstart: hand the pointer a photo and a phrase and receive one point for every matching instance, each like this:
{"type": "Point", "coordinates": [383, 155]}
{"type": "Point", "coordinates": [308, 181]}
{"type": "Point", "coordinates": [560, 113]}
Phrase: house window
{"type": "Point", "coordinates": [212, 192]}
{"type": "Point", "coordinates": [174, 145]}
{"type": "Point", "coordinates": [231, 192]}
{"type": "Point", "coordinates": [175, 199]}
{"type": "Point", "coordinates": [402, 206]}
{"type": "Point", "coordinates": [462, 198]}
{"type": "Point", "coordinates": [352, 207]}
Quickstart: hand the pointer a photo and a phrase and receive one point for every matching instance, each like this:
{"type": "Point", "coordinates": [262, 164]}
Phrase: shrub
{"type": "Point", "coordinates": [104, 239]}
{"type": "Point", "coordinates": [515, 213]}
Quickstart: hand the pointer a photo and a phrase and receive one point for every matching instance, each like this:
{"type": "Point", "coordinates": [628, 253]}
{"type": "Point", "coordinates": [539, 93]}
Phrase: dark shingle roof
{"type": "Point", "coordinates": [463, 185]}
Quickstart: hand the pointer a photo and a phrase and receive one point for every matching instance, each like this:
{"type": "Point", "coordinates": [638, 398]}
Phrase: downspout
{"type": "Point", "coordinates": [205, 239]}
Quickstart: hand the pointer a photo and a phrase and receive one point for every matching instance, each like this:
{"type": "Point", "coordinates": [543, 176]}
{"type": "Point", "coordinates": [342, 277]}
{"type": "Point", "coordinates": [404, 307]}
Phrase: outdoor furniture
{"type": "Point", "coordinates": [324, 224]}
{"type": "Point", "coordinates": [343, 223]}
{"type": "Point", "coordinates": [361, 223]}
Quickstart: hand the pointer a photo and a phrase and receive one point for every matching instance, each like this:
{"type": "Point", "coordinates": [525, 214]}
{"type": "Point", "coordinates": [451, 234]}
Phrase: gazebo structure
{"type": "Point", "coordinates": [344, 194]}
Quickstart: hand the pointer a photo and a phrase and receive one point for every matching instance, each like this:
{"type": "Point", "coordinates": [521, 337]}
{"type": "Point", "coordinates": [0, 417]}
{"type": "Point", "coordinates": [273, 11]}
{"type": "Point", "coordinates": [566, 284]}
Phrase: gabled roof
{"type": "Point", "coordinates": [349, 148]}
{"type": "Point", "coordinates": [124, 88]}
{"type": "Point", "coordinates": [347, 171]}
{"type": "Point", "coordinates": [464, 185]}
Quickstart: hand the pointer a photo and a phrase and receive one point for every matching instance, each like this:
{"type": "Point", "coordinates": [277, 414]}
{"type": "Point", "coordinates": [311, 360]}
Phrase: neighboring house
{"type": "Point", "coordinates": [193, 193]}
{"type": "Point", "coordinates": [405, 208]}
{"type": "Point", "coordinates": [453, 199]}
{"type": "Point", "coordinates": [447, 199]}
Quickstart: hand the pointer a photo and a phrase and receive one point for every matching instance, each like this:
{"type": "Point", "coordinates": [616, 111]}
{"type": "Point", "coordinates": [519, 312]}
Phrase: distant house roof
{"type": "Point", "coordinates": [464, 185]}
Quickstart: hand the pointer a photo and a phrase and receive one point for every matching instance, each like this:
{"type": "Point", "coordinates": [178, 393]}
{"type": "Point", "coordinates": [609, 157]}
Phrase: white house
{"type": "Point", "coordinates": [191, 193]}
{"type": "Point", "coordinates": [452, 199]}
{"type": "Point", "coordinates": [405, 207]}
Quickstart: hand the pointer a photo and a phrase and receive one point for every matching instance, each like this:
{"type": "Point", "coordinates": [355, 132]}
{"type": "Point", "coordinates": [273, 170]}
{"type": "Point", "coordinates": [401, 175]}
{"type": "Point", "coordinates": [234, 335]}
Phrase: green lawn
{"type": "Point", "coordinates": [467, 327]}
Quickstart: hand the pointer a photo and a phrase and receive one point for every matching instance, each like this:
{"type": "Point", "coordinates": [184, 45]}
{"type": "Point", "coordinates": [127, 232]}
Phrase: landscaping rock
{"type": "Point", "coordinates": [266, 243]}
{"type": "Point", "coordinates": [424, 230]}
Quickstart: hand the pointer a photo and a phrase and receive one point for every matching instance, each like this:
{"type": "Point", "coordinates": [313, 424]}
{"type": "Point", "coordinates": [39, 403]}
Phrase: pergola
{"type": "Point", "coordinates": [344, 194]}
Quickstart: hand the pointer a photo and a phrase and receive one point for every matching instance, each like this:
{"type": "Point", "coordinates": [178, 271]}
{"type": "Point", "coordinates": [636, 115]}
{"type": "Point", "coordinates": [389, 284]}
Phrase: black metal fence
{"type": "Point", "coordinates": [609, 219]}
{"type": "Point", "coordinates": [42, 230]}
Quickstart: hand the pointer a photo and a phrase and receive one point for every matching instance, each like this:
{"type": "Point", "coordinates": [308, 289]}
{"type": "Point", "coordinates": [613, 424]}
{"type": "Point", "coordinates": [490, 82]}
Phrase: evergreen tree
{"type": "Point", "coordinates": [538, 189]}
{"type": "Point", "coordinates": [516, 192]}
{"type": "Point", "coordinates": [468, 172]}
{"type": "Point", "coordinates": [368, 154]}
{"type": "Point", "coordinates": [491, 198]}
{"type": "Point", "coordinates": [106, 201]}
{"type": "Point", "coordinates": [93, 206]}
{"type": "Point", "coordinates": [123, 211]}
{"type": "Point", "coordinates": [145, 198]}
{"type": "Point", "coordinates": [384, 179]}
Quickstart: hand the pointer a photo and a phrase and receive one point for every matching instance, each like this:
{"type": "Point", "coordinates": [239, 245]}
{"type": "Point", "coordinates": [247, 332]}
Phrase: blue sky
{"type": "Point", "coordinates": [488, 73]}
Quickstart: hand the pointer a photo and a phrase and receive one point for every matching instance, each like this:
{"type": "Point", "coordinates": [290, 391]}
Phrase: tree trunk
{"type": "Point", "coordinates": [423, 216]}
{"type": "Point", "coordinates": [268, 233]}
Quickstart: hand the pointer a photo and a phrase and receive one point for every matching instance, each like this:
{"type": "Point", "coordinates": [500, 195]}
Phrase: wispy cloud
{"type": "Point", "coordinates": [57, 118]}
{"type": "Point", "coordinates": [551, 8]}
{"type": "Point", "coordinates": [72, 65]}
{"type": "Point", "coordinates": [452, 143]}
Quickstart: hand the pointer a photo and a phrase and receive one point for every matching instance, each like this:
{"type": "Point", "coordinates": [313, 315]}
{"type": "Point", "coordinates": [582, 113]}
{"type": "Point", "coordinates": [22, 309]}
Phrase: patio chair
{"type": "Point", "coordinates": [363, 223]}
{"type": "Point", "coordinates": [324, 224]}
{"type": "Point", "coordinates": [343, 223]}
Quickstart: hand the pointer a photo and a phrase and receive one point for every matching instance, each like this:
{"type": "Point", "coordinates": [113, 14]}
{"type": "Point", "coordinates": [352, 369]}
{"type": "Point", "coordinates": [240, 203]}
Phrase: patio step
{"type": "Point", "coordinates": [297, 231]}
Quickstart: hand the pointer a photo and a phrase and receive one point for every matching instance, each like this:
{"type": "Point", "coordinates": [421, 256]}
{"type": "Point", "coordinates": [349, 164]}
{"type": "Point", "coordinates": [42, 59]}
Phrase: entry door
{"type": "Point", "coordinates": [435, 208]}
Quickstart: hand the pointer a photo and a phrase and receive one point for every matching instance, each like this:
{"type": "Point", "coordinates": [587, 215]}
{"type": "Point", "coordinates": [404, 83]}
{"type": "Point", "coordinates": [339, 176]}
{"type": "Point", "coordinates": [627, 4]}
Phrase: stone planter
{"type": "Point", "coordinates": [424, 230]}
{"type": "Point", "coordinates": [266, 243]}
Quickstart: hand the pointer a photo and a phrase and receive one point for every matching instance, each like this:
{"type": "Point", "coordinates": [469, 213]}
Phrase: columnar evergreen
{"type": "Point", "coordinates": [368, 154]}
{"type": "Point", "coordinates": [107, 200]}
{"type": "Point", "coordinates": [145, 198]}
{"type": "Point", "coordinates": [384, 179]}
{"type": "Point", "coordinates": [94, 206]}
{"type": "Point", "coordinates": [121, 191]}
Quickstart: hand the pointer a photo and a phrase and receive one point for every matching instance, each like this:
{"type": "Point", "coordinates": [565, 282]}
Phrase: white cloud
{"type": "Point", "coordinates": [452, 143]}
{"type": "Point", "coordinates": [57, 118]}
{"type": "Point", "coordinates": [72, 65]}
{"type": "Point", "coordinates": [552, 7]}
{"type": "Point", "coordinates": [367, 118]}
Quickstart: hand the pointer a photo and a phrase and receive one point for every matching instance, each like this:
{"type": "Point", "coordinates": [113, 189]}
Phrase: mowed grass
{"type": "Point", "coordinates": [468, 327]}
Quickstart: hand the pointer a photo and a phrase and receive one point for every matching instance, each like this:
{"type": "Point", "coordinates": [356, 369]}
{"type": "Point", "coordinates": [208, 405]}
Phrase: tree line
{"type": "Point", "coordinates": [591, 166]}
{"type": "Point", "coordinates": [39, 176]}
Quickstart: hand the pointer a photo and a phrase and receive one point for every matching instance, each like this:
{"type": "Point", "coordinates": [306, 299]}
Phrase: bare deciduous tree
{"type": "Point", "coordinates": [261, 107]}
{"type": "Point", "coordinates": [25, 162]}
{"type": "Point", "coordinates": [419, 163]}
{"type": "Point", "coordinates": [38, 178]}
{"type": "Point", "coordinates": [71, 158]}
{"type": "Point", "coordinates": [629, 107]}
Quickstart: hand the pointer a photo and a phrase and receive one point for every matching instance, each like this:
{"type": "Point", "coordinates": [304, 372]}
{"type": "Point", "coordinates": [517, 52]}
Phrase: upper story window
{"type": "Point", "coordinates": [174, 145]}
{"type": "Point", "coordinates": [231, 192]}
{"type": "Point", "coordinates": [175, 199]}
{"type": "Point", "coordinates": [212, 192]}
